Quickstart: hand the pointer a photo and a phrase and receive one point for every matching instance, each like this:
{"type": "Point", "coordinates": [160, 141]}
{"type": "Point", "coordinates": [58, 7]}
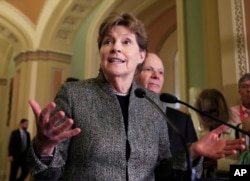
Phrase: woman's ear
{"type": "Point", "coordinates": [142, 57]}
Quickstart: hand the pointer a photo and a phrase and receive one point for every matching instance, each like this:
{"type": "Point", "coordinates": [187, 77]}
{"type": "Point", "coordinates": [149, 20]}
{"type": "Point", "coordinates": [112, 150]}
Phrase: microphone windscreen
{"type": "Point", "coordinates": [139, 92]}
{"type": "Point", "coordinates": [168, 98]}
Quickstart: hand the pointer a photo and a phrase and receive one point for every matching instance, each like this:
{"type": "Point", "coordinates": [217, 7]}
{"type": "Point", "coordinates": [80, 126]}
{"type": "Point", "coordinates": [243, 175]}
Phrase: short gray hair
{"type": "Point", "coordinates": [243, 78]}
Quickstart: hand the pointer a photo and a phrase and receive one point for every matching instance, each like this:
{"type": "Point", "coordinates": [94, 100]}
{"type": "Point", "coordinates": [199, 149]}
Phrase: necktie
{"type": "Point", "coordinates": [24, 140]}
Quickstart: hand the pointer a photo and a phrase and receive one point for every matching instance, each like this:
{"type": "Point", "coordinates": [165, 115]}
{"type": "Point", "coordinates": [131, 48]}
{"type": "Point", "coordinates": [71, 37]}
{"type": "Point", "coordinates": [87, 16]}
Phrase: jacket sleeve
{"type": "Point", "coordinates": [54, 169]}
{"type": "Point", "coordinates": [190, 132]}
{"type": "Point", "coordinates": [175, 168]}
{"type": "Point", "coordinates": [11, 146]}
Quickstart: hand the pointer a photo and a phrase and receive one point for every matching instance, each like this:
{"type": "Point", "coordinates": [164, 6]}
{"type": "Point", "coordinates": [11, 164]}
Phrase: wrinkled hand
{"type": "Point", "coordinates": [49, 132]}
{"type": "Point", "coordinates": [210, 145]}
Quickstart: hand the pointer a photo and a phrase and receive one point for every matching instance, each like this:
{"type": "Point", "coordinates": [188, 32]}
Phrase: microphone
{"type": "Point", "coordinates": [141, 93]}
{"type": "Point", "coordinates": [168, 98]}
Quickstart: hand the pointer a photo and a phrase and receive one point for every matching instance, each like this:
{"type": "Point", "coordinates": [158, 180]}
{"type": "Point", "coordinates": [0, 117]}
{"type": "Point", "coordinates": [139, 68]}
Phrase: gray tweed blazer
{"type": "Point", "coordinates": [99, 151]}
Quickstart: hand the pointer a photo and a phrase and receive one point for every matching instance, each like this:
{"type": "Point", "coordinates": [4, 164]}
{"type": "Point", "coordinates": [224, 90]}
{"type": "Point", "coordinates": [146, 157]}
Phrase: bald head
{"type": "Point", "coordinates": [151, 74]}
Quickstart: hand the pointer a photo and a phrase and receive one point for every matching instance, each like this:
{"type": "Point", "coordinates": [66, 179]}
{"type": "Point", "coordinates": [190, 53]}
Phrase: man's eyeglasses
{"type": "Point", "coordinates": [245, 86]}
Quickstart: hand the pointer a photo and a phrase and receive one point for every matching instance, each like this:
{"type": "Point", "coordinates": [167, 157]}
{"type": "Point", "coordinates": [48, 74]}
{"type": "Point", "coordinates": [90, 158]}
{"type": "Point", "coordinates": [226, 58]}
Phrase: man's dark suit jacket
{"type": "Point", "coordinates": [185, 125]}
{"type": "Point", "coordinates": [15, 144]}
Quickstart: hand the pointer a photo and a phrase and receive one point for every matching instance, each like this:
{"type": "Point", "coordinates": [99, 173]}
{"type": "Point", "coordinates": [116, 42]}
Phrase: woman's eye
{"type": "Point", "coordinates": [127, 42]}
{"type": "Point", "coordinates": [107, 41]}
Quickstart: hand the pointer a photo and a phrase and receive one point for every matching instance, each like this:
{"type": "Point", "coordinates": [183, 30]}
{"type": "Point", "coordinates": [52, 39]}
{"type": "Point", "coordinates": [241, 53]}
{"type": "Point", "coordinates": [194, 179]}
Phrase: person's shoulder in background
{"type": "Point", "coordinates": [71, 79]}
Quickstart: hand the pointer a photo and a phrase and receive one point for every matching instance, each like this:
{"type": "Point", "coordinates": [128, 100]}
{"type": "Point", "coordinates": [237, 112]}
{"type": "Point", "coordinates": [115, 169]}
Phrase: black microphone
{"type": "Point", "coordinates": [141, 93]}
{"type": "Point", "coordinates": [168, 98]}
{"type": "Point", "coordinates": [165, 97]}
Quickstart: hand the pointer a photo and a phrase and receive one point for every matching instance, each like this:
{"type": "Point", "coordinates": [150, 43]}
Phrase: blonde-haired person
{"type": "Point", "coordinates": [213, 102]}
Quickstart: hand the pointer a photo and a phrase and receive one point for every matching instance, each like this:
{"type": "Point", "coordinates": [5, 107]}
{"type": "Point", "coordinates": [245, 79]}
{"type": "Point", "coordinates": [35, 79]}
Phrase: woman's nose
{"type": "Point", "coordinates": [116, 48]}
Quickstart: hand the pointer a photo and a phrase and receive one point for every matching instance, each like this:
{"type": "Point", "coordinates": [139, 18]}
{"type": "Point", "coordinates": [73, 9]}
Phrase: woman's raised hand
{"type": "Point", "coordinates": [212, 146]}
{"type": "Point", "coordinates": [49, 132]}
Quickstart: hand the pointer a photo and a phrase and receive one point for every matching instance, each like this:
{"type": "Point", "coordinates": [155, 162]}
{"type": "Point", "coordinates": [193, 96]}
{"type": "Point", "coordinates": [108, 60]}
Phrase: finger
{"type": "Point", "coordinates": [58, 116]}
{"type": "Point", "coordinates": [35, 107]}
{"type": "Point", "coordinates": [70, 133]}
{"type": "Point", "coordinates": [220, 129]}
{"type": "Point", "coordinates": [237, 144]}
{"type": "Point", "coordinates": [235, 141]}
{"type": "Point", "coordinates": [216, 155]}
{"type": "Point", "coordinates": [66, 125]}
{"type": "Point", "coordinates": [73, 132]}
{"type": "Point", "coordinates": [228, 152]}
{"type": "Point", "coordinates": [233, 146]}
{"type": "Point", "coordinates": [45, 113]}
{"type": "Point", "coordinates": [63, 131]}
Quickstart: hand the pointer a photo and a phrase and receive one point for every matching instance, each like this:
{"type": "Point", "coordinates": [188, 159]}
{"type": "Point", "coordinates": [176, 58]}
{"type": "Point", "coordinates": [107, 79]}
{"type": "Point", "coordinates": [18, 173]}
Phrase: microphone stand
{"type": "Point", "coordinates": [214, 118]}
{"type": "Point", "coordinates": [191, 176]}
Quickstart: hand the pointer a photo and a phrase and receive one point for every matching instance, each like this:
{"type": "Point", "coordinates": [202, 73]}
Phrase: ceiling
{"type": "Point", "coordinates": [24, 24]}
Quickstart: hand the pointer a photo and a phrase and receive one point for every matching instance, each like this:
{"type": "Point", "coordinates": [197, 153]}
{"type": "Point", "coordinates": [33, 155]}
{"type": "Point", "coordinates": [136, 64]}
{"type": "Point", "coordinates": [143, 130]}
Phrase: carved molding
{"type": "Point", "coordinates": [9, 35]}
{"type": "Point", "coordinates": [239, 28]}
{"type": "Point", "coordinates": [65, 30]}
{"type": "Point", "coordinates": [74, 18]}
{"type": "Point", "coordinates": [42, 55]}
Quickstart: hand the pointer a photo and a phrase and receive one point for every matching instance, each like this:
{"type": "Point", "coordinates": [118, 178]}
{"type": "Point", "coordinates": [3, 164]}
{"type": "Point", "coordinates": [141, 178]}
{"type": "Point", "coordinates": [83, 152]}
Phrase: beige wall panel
{"type": "Point", "coordinates": [228, 45]}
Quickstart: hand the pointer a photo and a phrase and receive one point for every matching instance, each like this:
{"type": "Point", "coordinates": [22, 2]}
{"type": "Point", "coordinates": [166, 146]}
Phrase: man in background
{"type": "Point", "coordinates": [17, 149]}
{"type": "Point", "coordinates": [150, 75]}
{"type": "Point", "coordinates": [242, 110]}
